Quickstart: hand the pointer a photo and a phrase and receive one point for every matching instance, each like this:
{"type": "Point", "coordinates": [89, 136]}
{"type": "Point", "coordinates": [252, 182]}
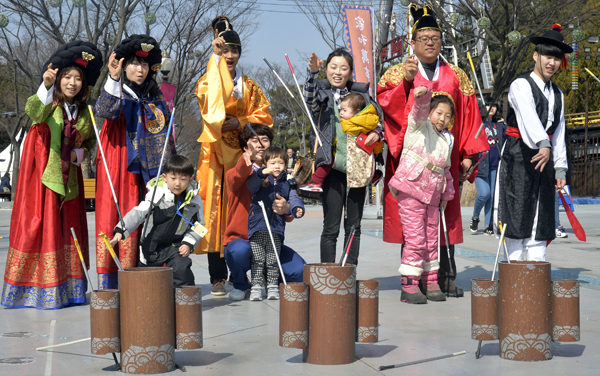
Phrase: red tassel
{"type": "Point", "coordinates": [557, 27]}
{"type": "Point", "coordinates": [563, 63]}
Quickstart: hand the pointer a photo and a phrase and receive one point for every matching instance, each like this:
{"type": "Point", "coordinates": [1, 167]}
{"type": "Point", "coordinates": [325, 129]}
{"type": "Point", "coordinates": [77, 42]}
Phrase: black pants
{"type": "Point", "coordinates": [335, 197]}
{"type": "Point", "coordinates": [217, 268]}
{"type": "Point", "coordinates": [445, 265]}
{"type": "Point", "coordinates": [182, 266]}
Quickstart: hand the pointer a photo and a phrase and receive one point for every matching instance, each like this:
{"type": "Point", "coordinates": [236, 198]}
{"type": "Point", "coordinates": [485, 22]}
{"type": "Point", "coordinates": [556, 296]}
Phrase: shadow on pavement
{"type": "Point", "coordinates": [199, 358]}
{"type": "Point", "coordinates": [372, 350]}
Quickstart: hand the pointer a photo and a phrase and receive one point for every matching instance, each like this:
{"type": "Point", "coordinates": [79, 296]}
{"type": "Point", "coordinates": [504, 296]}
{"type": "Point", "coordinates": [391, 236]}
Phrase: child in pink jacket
{"type": "Point", "coordinates": [422, 184]}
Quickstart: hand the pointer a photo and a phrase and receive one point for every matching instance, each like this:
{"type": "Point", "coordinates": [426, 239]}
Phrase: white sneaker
{"type": "Point", "coordinates": [561, 234]}
{"type": "Point", "coordinates": [273, 292]}
{"type": "Point", "coordinates": [256, 293]}
{"type": "Point", "coordinates": [237, 295]}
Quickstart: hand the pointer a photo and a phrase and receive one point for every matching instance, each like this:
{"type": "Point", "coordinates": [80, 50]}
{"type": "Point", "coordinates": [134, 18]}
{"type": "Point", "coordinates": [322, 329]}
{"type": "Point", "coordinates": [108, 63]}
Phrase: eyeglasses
{"type": "Point", "coordinates": [425, 39]}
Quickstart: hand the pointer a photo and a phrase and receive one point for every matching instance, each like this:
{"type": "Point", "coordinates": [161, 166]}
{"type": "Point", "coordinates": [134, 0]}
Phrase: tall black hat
{"type": "Point", "coordinates": [554, 38]}
{"type": "Point", "coordinates": [85, 55]}
{"type": "Point", "coordinates": [222, 27]}
{"type": "Point", "coordinates": [424, 18]}
{"type": "Point", "coordinates": [141, 45]}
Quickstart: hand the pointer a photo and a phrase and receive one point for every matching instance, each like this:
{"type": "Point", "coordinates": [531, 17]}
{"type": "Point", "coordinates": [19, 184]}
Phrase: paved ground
{"type": "Point", "coordinates": [242, 337]}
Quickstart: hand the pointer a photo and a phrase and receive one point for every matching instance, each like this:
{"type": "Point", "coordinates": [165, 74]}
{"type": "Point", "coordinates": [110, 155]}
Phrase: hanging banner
{"type": "Point", "coordinates": [358, 26]}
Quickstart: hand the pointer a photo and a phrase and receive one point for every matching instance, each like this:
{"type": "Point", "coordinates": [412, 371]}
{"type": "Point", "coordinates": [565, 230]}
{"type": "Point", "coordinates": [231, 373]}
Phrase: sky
{"type": "Point", "coordinates": [284, 29]}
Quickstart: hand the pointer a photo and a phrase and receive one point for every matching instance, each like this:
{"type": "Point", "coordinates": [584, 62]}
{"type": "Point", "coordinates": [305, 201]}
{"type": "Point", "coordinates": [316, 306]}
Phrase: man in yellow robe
{"type": "Point", "coordinates": [228, 101]}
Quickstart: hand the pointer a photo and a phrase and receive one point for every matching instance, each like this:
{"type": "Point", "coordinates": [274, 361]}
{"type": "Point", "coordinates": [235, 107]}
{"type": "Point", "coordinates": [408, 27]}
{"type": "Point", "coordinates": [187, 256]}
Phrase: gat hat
{"type": "Point", "coordinates": [141, 45]}
{"type": "Point", "coordinates": [82, 54]}
{"type": "Point", "coordinates": [424, 18]}
{"type": "Point", "coordinates": [554, 38]}
{"type": "Point", "coordinates": [222, 27]}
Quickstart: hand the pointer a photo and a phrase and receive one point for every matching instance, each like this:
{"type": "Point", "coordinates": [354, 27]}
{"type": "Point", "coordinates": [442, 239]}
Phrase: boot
{"type": "Point", "coordinates": [432, 289]}
{"type": "Point", "coordinates": [445, 278]}
{"type": "Point", "coordinates": [410, 291]}
{"type": "Point", "coordinates": [446, 284]}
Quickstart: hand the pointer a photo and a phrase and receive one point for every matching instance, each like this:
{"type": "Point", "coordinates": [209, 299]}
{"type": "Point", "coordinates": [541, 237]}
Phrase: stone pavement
{"type": "Point", "coordinates": [242, 337]}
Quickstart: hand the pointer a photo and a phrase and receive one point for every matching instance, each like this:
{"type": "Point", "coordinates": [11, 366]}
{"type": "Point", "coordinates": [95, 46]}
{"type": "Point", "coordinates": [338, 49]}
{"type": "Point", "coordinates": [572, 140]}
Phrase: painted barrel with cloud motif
{"type": "Point", "coordinates": [525, 310]}
{"type": "Point", "coordinates": [484, 309]}
{"type": "Point", "coordinates": [367, 311]}
{"type": "Point", "coordinates": [104, 322]}
{"type": "Point", "coordinates": [188, 317]}
{"type": "Point", "coordinates": [147, 320]}
{"type": "Point", "coordinates": [293, 315]}
{"type": "Point", "coordinates": [565, 310]}
{"type": "Point", "coordinates": [332, 314]}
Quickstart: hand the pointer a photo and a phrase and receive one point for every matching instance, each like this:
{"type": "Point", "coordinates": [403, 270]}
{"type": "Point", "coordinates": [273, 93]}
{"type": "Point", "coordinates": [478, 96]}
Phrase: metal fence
{"type": "Point", "coordinates": [585, 161]}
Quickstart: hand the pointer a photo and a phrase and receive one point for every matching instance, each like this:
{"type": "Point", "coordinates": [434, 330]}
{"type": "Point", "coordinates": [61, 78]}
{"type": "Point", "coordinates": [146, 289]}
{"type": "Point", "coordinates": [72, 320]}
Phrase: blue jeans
{"type": "Point", "coordinates": [485, 195]}
{"type": "Point", "coordinates": [556, 216]}
{"type": "Point", "coordinates": [238, 253]}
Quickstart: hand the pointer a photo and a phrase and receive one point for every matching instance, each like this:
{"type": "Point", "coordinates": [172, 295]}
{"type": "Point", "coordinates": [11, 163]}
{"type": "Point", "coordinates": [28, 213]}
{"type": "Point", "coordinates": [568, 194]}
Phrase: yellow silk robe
{"type": "Point", "coordinates": [220, 152]}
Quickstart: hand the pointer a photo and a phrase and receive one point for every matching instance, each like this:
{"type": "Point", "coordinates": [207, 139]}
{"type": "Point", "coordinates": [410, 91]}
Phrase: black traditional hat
{"type": "Point", "coordinates": [554, 38]}
{"type": "Point", "coordinates": [222, 27]}
{"type": "Point", "coordinates": [85, 55]}
{"type": "Point", "coordinates": [424, 18]}
{"type": "Point", "coordinates": [141, 45]}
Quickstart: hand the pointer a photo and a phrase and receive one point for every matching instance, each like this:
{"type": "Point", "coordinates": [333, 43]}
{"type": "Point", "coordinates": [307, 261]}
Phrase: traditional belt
{"type": "Point", "coordinates": [514, 132]}
{"type": "Point", "coordinates": [429, 165]}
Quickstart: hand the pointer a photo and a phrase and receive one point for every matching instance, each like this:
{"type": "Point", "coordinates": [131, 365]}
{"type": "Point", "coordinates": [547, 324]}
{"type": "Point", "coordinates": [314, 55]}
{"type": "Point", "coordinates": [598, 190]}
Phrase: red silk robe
{"type": "Point", "coordinates": [396, 104]}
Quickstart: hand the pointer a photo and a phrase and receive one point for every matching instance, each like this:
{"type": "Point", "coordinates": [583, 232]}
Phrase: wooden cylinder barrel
{"type": "Point", "coordinates": [525, 310]}
{"type": "Point", "coordinates": [367, 311]}
{"type": "Point", "coordinates": [104, 322]}
{"type": "Point", "coordinates": [484, 309]}
{"type": "Point", "coordinates": [293, 315]}
{"type": "Point", "coordinates": [188, 317]}
{"type": "Point", "coordinates": [332, 314]}
{"type": "Point", "coordinates": [147, 320]}
{"type": "Point", "coordinates": [565, 310]}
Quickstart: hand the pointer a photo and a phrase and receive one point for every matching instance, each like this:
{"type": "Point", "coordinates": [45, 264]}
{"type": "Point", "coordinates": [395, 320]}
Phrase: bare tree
{"type": "Point", "coordinates": [188, 38]}
{"type": "Point", "coordinates": [326, 17]}
{"type": "Point", "coordinates": [290, 124]}
{"type": "Point", "coordinates": [38, 27]}
{"type": "Point", "coordinates": [505, 16]}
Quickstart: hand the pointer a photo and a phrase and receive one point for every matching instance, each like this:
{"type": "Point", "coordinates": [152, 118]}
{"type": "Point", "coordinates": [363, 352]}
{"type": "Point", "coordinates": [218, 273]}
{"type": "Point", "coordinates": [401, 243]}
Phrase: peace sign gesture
{"type": "Point", "coordinates": [50, 76]}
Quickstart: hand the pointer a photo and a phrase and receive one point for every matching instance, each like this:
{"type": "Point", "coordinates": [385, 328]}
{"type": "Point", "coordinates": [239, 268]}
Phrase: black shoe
{"type": "Point", "coordinates": [474, 224]}
{"type": "Point", "coordinates": [450, 289]}
{"type": "Point", "coordinates": [489, 231]}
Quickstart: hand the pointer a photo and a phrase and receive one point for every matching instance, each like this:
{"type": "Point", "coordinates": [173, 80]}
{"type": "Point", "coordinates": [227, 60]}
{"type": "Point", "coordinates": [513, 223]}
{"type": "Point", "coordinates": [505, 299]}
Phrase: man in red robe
{"type": "Point", "coordinates": [395, 95]}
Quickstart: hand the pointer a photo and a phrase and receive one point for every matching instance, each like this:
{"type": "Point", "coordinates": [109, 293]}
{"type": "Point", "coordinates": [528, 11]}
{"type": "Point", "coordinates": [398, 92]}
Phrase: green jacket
{"type": "Point", "coordinates": [52, 115]}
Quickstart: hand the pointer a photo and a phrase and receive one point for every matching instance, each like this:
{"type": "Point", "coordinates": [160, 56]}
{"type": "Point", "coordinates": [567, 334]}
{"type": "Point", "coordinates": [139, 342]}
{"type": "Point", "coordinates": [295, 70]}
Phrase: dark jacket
{"type": "Point", "coordinates": [165, 227]}
{"type": "Point", "coordinates": [285, 188]}
{"type": "Point", "coordinates": [325, 118]}
{"type": "Point", "coordinates": [5, 182]}
{"type": "Point", "coordinates": [484, 166]}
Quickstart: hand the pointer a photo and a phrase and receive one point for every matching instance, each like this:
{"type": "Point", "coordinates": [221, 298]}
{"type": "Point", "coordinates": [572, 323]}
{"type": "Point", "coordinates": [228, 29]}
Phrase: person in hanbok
{"type": "Point", "coordinates": [533, 165]}
{"type": "Point", "coordinates": [228, 101]}
{"type": "Point", "coordinates": [133, 137]}
{"type": "Point", "coordinates": [395, 95]}
{"type": "Point", "coordinates": [43, 268]}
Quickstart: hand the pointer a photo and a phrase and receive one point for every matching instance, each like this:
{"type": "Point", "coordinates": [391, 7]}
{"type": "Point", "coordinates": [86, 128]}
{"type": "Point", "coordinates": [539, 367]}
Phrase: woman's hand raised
{"type": "Point", "coordinates": [314, 63]}
{"type": "Point", "coordinates": [115, 67]}
{"type": "Point", "coordinates": [50, 76]}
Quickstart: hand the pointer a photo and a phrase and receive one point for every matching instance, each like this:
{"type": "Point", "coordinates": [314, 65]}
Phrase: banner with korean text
{"type": "Point", "coordinates": [358, 26]}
